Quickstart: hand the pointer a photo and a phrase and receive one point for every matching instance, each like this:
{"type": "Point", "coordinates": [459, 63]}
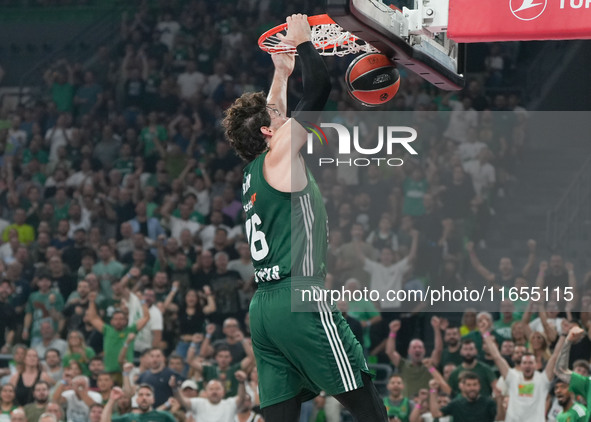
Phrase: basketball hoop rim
{"type": "Point", "coordinates": [315, 20]}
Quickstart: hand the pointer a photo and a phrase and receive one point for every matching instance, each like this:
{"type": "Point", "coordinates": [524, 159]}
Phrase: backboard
{"type": "Point", "coordinates": [413, 38]}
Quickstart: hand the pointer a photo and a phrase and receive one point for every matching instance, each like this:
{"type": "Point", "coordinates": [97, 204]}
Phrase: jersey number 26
{"type": "Point", "coordinates": [256, 238]}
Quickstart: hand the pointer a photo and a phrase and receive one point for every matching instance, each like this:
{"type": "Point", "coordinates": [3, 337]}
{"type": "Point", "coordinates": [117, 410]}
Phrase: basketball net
{"type": "Point", "coordinates": [328, 38]}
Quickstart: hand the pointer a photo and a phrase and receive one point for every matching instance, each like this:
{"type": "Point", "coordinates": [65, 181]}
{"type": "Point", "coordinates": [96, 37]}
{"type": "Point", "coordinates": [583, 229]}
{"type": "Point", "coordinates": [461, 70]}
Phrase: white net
{"type": "Point", "coordinates": [329, 39]}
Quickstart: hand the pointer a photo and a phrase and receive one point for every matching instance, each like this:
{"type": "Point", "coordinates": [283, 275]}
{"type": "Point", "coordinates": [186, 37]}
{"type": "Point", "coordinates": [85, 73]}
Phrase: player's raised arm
{"type": "Point", "coordinates": [315, 77]}
{"type": "Point", "coordinates": [277, 98]}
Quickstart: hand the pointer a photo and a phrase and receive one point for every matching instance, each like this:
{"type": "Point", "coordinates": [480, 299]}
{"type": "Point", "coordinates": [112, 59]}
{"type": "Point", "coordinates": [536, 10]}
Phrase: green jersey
{"type": "Point", "coordinates": [577, 413]}
{"type": "Point", "coordinates": [278, 252]}
{"type": "Point", "coordinates": [113, 341]}
{"type": "Point", "coordinates": [40, 306]}
{"type": "Point", "coordinates": [213, 372]}
{"type": "Point", "coordinates": [151, 416]}
{"type": "Point", "coordinates": [400, 409]}
{"type": "Point", "coordinates": [581, 386]}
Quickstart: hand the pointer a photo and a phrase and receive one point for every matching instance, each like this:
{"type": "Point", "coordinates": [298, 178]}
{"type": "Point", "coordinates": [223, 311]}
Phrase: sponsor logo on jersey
{"type": "Point", "coordinates": [246, 184]}
{"type": "Point", "coordinates": [250, 203]}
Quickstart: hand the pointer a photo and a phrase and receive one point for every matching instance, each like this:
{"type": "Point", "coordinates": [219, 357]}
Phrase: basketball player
{"type": "Point", "coordinates": [298, 354]}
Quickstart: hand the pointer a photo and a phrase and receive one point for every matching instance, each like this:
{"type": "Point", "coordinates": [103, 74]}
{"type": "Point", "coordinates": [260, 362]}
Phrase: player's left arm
{"type": "Point", "coordinates": [315, 76]}
{"type": "Point", "coordinates": [277, 98]}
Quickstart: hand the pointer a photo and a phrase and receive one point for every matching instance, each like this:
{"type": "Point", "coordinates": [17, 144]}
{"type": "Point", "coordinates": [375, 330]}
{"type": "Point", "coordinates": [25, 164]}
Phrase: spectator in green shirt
{"type": "Point", "coordinates": [115, 334]}
{"type": "Point", "coordinates": [580, 385]}
{"type": "Point", "coordinates": [107, 269]}
{"type": "Point", "coordinates": [62, 90]}
{"type": "Point", "coordinates": [571, 410]}
{"type": "Point", "coordinates": [44, 304]}
{"type": "Point", "coordinates": [471, 406]}
{"type": "Point", "coordinates": [224, 368]}
{"type": "Point", "coordinates": [470, 363]}
{"type": "Point", "coordinates": [144, 400]}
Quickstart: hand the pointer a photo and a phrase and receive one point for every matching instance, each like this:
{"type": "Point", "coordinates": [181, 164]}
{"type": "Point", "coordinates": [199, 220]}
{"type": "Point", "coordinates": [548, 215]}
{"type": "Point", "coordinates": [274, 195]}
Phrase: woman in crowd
{"type": "Point", "coordinates": [25, 379]}
{"type": "Point", "coordinates": [519, 334]}
{"type": "Point", "coordinates": [7, 402]}
{"type": "Point", "coordinates": [78, 351]}
{"type": "Point", "coordinates": [191, 315]}
{"type": "Point", "coordinates": [539, 346]}
{"type": "Point", "coordinates": [468, 322]}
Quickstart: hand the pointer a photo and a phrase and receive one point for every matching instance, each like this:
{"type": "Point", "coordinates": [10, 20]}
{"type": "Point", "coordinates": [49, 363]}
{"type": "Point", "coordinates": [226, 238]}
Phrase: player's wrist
{"type": "Point", "coordinates": [304, 44]}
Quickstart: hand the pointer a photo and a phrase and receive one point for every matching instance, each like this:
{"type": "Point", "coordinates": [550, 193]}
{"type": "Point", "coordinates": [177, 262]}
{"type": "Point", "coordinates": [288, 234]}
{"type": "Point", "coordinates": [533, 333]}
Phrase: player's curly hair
{"type": "Point", "coordinates": [243, 122]}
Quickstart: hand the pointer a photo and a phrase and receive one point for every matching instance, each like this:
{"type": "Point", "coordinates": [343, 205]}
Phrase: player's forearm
{"type": "Point", "coordinates": [278, 91]}
{"type": "Point", "coordinates": [315, 79]}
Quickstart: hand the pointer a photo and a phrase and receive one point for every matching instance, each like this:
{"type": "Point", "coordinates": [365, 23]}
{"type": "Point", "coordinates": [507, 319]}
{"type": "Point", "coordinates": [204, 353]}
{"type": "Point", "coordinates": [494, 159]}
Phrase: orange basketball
{"type": "Point", "coordinates": [372, 79]}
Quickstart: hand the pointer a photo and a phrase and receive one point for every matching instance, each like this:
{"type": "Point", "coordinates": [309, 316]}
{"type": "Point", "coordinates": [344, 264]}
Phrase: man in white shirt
{"type": "Point", "coordinates": [461, 119]}
{"type": "Point", "coordinates": [191, 81]}
{"type": "Point", "coordinates": [388, 274]}
{"type": "Point", "coordinates": [482, 173]}
{"type": "Point", "coordinates": [527, 388]}
{"type": "Point", "coordinates": [214, 408]}
{"type": "Point", "coordinates": [470, 150]}
{"type": "Point", "coordinates": [17, 138]}
{"type": "Point", "coordinates": [151, 335]}
{"type": "Point", "coordinates": [168, 29]}
{"type": "Point", "coordinates": [552, 312]}
{"type": "Point", "coordinates": [79, 399]}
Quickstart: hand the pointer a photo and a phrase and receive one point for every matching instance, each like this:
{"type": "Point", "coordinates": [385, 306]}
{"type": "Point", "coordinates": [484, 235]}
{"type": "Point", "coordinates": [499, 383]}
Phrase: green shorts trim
{"type": "Point", "coordinates": [298, 354]}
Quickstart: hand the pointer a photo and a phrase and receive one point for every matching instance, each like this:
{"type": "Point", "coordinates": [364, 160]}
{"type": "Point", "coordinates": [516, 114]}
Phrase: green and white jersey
{"type": "Point", "coordinates": [577, 413]}
{"type": "Point", "coordinates": [277, 250]}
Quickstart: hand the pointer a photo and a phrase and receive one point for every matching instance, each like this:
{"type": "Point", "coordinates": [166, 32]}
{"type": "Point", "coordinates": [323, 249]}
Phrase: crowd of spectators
{"type": "Point", "coordinates": [125, 274]}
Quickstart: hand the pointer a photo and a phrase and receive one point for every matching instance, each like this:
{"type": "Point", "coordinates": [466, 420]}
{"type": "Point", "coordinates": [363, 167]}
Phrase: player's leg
{"type": "Point", "coordinates": [365, 403]}
{"type": "Point", "coordinates": [281, 386]}
{"type": "Point", "coordinates": [286, 411]}
{"type": "Point", "coordinates": [326, 352]}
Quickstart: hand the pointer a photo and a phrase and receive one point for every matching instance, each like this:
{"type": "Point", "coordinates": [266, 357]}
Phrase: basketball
{"type": "Point", "coordinates": [372, 79]}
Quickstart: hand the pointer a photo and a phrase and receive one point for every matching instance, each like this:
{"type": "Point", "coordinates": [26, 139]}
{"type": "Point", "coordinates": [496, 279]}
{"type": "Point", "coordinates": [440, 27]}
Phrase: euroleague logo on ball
{"type": "Point", "coordinates": [527, 10]}
{"type": "Point", "coordinates": [381, 78]}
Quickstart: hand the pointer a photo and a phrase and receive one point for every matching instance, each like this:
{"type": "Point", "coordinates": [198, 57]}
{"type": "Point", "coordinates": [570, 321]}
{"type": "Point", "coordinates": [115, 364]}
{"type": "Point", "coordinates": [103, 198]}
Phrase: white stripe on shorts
{"type": "Point", "coordinates": [338, 350]}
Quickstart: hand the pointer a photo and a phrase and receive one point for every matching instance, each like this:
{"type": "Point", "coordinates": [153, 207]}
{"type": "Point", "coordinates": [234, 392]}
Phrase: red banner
{"type": "Point", "coordinates": [512, 20]}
